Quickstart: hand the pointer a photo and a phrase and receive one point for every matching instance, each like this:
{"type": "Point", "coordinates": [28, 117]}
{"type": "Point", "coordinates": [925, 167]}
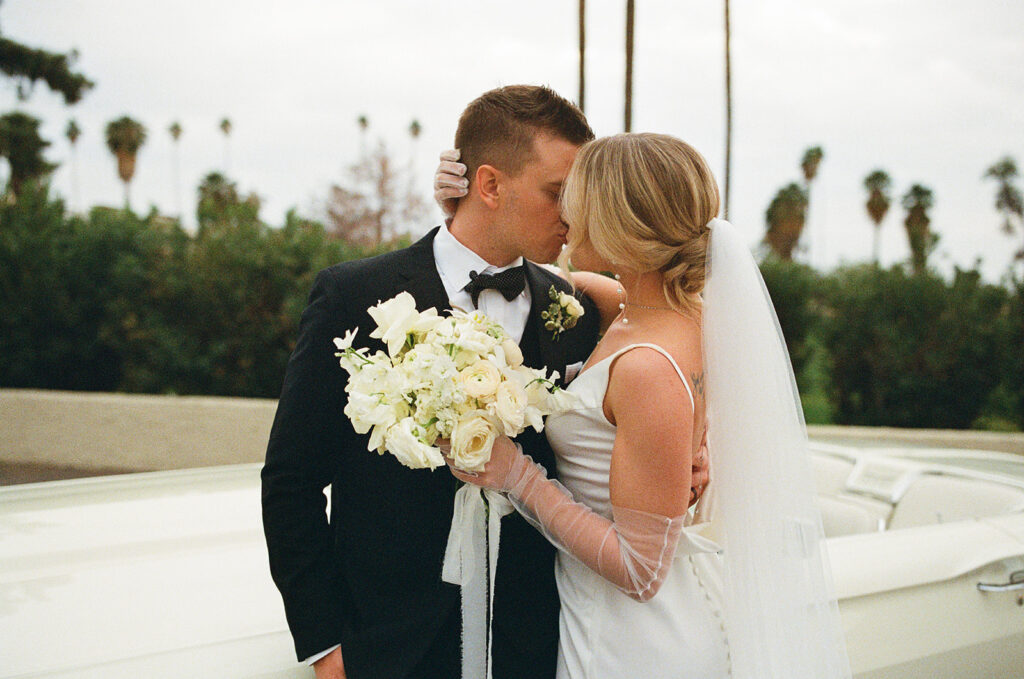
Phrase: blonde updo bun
{"type": "Point", "coordinates": [644, 202]}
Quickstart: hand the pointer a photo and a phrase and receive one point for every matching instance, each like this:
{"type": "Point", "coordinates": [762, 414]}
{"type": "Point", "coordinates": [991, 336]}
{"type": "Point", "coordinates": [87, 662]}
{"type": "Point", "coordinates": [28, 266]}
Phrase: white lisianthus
{"type": "Point", "coordinates": [465, 358]}
{"type": "Point", "coordinates": [368, 410]}
{"type": "Point", "coordinates": [476, 341]}
{"type": "Point", "coordinates": [471, 441]}
{"type": "Point", "coordinates": [397, 318]}
{"type": "Point", "coordinates": [481, 379]}
{"type": "Point", "coordinates": [513, 354]}
{"type": "Point", "coordinates": [404, 442]}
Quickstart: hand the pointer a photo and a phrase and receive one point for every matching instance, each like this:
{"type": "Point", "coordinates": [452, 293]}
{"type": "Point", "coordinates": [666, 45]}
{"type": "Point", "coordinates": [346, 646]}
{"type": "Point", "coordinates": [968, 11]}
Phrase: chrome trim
{"type": "Point", "coordinates": [1015, 583]}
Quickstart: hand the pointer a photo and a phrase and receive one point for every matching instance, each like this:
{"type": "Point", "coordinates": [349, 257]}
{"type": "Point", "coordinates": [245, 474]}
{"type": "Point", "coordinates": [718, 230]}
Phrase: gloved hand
{"type": "Point", "coordinates": [633, 551]}
{"type": "Point", "coordinates": [450, 184]}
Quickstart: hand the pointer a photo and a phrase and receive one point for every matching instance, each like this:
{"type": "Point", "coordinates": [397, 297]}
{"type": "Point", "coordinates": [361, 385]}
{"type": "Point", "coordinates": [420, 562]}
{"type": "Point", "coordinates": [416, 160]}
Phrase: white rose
{"type": "Point", "coordinates": [510, 406]}
{"type": "Point", "coordinates": [471, 440]}
{"type": "Point", "coordinates": [513, 354]}
{"type": "Point", "coordinates": [572, 305]}
{"type": "Point", "coordinates": [402, 441]}
{"type": "Point", "coordinates": [481, 379]}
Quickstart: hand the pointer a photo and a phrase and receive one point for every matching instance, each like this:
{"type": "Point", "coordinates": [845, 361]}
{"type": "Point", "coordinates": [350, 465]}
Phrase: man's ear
{"type": "Point", "coordinates": [487, 183]}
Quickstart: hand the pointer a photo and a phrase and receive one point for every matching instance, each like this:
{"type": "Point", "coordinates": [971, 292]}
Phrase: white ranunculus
{"type": "Point", "coordinates": [471, 440]}
{"type": "Point", "coordinates": [572, 306]}
{"type": "Point", "coordinates": [510, 406]}
{"type": "Point", "coordinates": [403, 441]}
{"type": "Point", "coordinates": [513, 354]}
{"type": "Point", "coordinates": [481, 379]}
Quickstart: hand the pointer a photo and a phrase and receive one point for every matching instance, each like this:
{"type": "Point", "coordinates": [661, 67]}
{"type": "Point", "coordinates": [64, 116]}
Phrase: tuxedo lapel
{"type": "Point", "coordinates": [549, 355]}
{"type": "Point", "coordinates": [418, 275]}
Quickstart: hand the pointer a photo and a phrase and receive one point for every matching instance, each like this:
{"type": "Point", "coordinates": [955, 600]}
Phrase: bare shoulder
{"type": "Point", "coordinates": [648, 368]}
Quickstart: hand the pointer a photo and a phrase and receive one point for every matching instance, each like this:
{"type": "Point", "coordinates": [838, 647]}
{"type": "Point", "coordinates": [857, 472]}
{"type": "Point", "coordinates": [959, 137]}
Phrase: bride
{"type": "Point", "coordinates": [738, 587]}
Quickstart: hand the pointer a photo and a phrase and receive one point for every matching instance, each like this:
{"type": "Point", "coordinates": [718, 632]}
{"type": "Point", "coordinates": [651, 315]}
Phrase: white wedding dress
{"type": "Point", "coordinates": [605, 634]}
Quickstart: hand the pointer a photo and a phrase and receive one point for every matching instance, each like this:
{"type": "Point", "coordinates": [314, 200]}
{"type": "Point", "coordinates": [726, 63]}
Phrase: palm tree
{"type": "Point", "coordinates": [1009, 202]}
{"type": "Point", "coordinates": [629, 66]}
{"type": "Point", "coordinates": [124, 139]}
{"type": "Point", "coordinates": [583, 49]}
{"type": "Point", "coordinates": [877, 183]}
{"type": "Point", "coordinates": [809, 165]}
{"type": "Point", "coordinates": [917, 201]}
{"type": "Point", "coordinates": [364, 125]}
{"type": "Point", "coordinates": [175, 130]}
{"type": "Point", "coordinates": [22, 146]}
{"type": "Point", "coordinates": [786, 216]}
{"type": "Point", "coordinates": [225, 127]}
{"type": "Point", "coordinates": [728, 108]}
{"type": "Point", "coordinates": [72, 132]}
{"type": "Point", "coordinates": [415, 129]}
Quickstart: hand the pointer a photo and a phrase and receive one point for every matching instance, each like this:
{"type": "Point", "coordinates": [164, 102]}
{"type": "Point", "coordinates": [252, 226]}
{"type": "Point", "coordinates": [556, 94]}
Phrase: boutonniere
{"type": "Point", "coordinates": [562, 314]}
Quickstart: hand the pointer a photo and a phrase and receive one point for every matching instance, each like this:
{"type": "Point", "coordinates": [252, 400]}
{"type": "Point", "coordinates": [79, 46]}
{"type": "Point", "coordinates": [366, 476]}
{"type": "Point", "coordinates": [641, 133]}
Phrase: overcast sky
{"type": "Point", "coordinates": [931, 91]}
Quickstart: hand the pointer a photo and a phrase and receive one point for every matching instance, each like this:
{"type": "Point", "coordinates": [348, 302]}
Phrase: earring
{"type": "Point", "coordinates": [622, 304]}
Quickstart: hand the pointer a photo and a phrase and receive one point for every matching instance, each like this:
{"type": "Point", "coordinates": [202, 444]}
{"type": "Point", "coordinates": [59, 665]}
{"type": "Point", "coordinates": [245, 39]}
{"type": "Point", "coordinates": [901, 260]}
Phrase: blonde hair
{"type": "Point", "coordinates": [644, 202]}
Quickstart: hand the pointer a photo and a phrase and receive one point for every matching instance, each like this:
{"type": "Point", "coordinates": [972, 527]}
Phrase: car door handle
{"type": "Point", "coordinates": [1016, 583]}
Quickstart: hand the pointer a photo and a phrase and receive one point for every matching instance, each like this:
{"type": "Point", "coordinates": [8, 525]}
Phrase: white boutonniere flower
{"type": "Point", "coordinates": [562, 314]}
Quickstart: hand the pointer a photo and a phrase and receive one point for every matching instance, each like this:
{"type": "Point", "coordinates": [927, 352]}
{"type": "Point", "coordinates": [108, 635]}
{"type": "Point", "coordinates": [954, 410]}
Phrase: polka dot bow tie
{"type": "Point", "coordinates": [509, 283]}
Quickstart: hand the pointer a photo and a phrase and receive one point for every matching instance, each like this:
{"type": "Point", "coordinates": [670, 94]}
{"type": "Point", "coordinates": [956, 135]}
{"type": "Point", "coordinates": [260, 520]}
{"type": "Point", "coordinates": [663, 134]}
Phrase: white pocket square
{"type": "Point", "coordinates": [571, 371]}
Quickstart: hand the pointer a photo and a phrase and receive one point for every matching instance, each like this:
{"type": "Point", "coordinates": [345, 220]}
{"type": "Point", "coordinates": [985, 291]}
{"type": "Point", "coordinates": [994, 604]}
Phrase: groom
{"type": "Point", "coordinates": [363, 592]}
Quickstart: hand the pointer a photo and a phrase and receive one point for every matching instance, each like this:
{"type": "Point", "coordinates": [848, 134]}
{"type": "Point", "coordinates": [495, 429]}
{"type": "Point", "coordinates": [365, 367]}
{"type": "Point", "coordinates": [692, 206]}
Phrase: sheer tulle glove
{"type": "Point", "coordinates": [633, 551]}
{"type": "Point", "coordinates": [450, 184]}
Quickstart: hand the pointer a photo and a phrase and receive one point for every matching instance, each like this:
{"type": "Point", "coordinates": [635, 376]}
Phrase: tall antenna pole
{"type": "Point", "coordinates": [629, 66]}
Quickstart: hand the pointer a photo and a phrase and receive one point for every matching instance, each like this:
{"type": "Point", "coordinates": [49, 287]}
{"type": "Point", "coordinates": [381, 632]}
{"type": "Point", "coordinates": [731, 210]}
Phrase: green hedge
{"type": "Point", "coordinates": [114, 301]}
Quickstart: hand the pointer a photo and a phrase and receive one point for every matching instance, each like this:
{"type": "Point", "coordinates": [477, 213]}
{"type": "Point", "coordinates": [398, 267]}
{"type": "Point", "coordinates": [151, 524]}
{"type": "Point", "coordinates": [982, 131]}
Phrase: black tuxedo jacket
{"type": "Point", "coordinates": [370, 578]}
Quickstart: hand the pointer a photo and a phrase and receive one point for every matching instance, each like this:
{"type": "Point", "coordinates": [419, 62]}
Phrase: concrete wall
{"type": "Point", "coordinates": [131, 432]}
{"type": "Point", "coordinates": [144, 433]}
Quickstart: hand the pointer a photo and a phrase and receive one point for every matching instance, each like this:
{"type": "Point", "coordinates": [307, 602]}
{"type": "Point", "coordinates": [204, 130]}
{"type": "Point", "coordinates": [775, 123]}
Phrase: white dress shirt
{"type": "Point", "coordinates": [454, 261]}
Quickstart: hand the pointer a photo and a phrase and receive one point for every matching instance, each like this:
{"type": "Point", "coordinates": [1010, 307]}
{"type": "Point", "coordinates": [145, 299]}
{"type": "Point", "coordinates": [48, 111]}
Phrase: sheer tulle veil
{"type": "Point", "coordinates": [781, 615]}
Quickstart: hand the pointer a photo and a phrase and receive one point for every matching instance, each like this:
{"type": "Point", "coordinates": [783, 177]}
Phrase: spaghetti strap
{"type": "Point", "coordinates": [664, 353]}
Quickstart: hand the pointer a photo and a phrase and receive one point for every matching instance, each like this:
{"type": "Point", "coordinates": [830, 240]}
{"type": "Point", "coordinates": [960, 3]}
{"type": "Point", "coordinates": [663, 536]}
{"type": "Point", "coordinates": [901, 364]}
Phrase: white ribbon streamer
{"type": "Point", "coordinates": [472, 544]}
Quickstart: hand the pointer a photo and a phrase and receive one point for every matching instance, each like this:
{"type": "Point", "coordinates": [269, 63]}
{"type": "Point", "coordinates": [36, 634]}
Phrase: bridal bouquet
{"type": "Point", "coordinates": [459, 377]}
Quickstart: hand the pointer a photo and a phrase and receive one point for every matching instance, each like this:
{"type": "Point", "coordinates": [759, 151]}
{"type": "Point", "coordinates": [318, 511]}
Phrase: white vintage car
{"type": "Point", "coordinates": [165, 574]}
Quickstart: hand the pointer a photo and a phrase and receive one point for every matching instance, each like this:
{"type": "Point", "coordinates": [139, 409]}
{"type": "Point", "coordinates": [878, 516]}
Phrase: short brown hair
{"type": "Point", "coordinates": [498, 127]}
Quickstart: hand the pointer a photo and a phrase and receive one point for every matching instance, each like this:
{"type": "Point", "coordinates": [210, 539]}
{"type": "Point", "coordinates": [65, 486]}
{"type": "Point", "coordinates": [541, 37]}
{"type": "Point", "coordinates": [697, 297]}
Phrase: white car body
{"type": "Point", "coordinates": [165, 574]}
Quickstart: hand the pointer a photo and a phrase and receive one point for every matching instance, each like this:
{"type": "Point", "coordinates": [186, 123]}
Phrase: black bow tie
{"type": "Point", "coordinates": [509, 283]}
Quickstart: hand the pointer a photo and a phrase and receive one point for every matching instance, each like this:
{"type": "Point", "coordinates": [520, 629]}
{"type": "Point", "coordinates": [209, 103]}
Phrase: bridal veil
{"type": "Point", "coordinates": [780, 614]}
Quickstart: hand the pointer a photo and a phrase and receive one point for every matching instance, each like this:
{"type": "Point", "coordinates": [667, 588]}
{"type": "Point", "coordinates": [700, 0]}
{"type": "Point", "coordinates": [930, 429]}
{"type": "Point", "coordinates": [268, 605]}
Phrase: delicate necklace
{"type": "Point", "coordinates": [623, 304]}
{"type": "Point", "coordinates": [644, 306]}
